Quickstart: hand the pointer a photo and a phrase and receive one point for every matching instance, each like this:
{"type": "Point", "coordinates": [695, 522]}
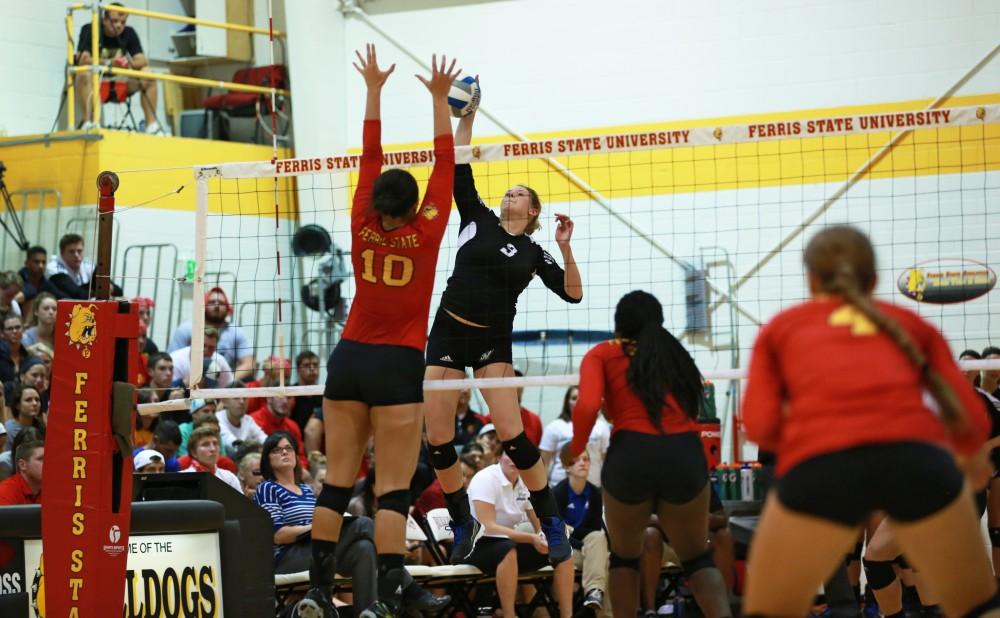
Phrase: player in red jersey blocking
{"type": "Point", "coordinates": [375, 374]}
{"type": "Point", "coordinates": [863, 405]}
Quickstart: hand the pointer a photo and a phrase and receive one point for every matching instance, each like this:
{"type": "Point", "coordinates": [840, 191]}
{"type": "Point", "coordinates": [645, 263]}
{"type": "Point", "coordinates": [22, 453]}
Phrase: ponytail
{"type": "Point", "coordinates": [661, 366]}
{"type": "Point", "coordinates": [845, 284]}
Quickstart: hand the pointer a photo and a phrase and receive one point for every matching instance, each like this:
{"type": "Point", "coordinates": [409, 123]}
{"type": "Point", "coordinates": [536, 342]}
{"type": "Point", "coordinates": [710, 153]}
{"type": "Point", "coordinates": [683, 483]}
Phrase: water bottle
{"type": "Point", "coordinates": [746, 482]}
{"type": "Point", "coordinates": [722, 475]}
{"type": "Point", "coordinates": [735, 490]}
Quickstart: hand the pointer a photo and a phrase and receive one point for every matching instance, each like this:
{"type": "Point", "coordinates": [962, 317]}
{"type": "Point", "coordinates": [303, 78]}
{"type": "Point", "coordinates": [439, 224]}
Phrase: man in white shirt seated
{"type": "Point", "coordinates": [502, 508]}
{"type": "Point", "coordinates": [216, 372]}
{"type": "Point", "coordinates": [233, 424]}
{"type": "Point", "coordinates": [70, 272]}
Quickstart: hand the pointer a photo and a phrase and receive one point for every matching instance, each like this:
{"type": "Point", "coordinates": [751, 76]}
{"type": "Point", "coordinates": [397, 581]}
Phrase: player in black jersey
{"type": "Point", "coordinates": [496, 261]}
{"type": "Point", "coordinates": [993, 407]}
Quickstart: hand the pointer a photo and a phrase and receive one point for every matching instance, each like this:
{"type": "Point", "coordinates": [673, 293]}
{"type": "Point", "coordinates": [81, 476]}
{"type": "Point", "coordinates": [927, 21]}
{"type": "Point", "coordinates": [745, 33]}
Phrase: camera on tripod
{"type": "Point", "coordinates": [17, 233]}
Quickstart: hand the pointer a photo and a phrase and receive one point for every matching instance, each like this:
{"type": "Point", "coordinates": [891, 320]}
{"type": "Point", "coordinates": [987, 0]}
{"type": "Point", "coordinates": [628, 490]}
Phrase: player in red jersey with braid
{"type": "Point", "coordinates": [863, 404]}
{"type": "Point", "coordinates": [651, 391]}
{"type": "Point", "coordinates": [375, 374]}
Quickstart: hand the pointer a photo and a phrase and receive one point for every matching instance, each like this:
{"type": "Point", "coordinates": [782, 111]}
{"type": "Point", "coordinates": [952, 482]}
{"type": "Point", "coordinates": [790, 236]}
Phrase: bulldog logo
{"type": "Point", "coordinates": [430, 212]}
{"type": "Point", "coordinates": [82, 328]}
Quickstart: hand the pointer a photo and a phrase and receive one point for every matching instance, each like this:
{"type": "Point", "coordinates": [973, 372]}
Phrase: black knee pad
{"type": "Point", "coordinates": [521, 451]}
{"type": "Point", "coordinates": [617, 562]}
{"type": "Point", "coordinates": [397, 501]}
{"type": "Point", "coordinates": [443, 456]}
{"type": "Point", "coordinates": [879, 573]}
{"type": "Point", "coordinates": [698, 563]}
{"type": "Point", "coordinates": [334, 498]}
{"type": "Point", "coordinates": [995, 537]}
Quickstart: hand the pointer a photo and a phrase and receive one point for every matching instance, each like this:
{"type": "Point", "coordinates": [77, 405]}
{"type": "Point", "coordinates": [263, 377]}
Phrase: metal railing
{"type": "Point", "coordinates": [96, 69]}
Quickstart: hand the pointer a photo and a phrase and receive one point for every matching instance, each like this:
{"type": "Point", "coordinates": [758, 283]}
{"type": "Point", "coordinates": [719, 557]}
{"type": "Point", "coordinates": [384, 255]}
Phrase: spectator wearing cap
{"type": "Point", "coordinates": [149, 461]}
{"type": "Point", "coordinates": [146, 305]}
{"type": "Point", "coordinates": [215, 369]}
{"type": "Point", "coordinates": [166, 440]}
{"type": "Point", "coordinates": [201, 409]}
{"type": "Point", "coordinates": [42, 326]}
{"type": "Point", "coordinates": [306, 407]}
{"type": "Point", "coordinates": [233, 344]}
{"type": "Point", "coordinates": [204, 448]}
{"type": "Point", "coordinates": [273, 367]}
{"type": "Point", "coordinates": [25, 486]}
{"type": "Point", "coordinates": [234, 427]}
{"type": "Point", "coordinates": [70, 273]}
{"type": "Point", "coordinates": [33, 279]}
{"type": "Point", "coordinates": [490, 441]}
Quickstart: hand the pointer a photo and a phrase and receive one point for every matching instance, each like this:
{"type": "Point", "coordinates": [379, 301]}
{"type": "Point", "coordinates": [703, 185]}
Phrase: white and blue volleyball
{"type": "Point", "coordinates": [464, 96]}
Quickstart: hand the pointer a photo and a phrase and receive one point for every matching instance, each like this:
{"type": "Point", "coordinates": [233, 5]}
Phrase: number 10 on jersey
{"type": "Point", "coordinates": [396, 270]}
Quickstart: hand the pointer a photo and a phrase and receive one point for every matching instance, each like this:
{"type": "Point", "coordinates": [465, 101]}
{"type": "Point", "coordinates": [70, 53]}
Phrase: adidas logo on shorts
{"type": "Point", "coordinates": [447, 358]}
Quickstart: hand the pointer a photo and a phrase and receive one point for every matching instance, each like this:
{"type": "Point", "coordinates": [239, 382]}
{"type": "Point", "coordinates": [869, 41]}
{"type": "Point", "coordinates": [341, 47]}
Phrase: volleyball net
{"type": "Point", "coordinates": [710, 219]}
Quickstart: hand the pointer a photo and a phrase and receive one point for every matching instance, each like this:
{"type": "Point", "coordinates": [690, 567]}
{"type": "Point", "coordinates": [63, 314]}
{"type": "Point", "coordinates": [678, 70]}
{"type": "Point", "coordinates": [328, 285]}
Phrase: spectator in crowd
{"type": "Point", "coordinates": [201, 409]}
{"type": "Point", "coordinates": [204, 448]}
{"type": "Point", "coordinates": [274, 417]}
{"type": "Point", "coordinates": [33, 280]}
{"type": "Point", "coordinates": [249, 473]}
{"type": "Point", "coordinates": [467, 421]}
{"type": "Point", "coordinates": [11, 295]}
{"type": "Point", "coordinates": [559, 433]}
{"type": "Point", "coordinates": [500, 503]}
{"type": "Point", "coordinates": [146, 305]}
{"type": "Point", "coordinates": [12, 352]}
{"type": "Point", "coordinates": [317, 470]}
{"type": "Point", "coordinates": [215, 368]}
{"type": "Point", "coordinates": [145, 425]}
{"type": "Point", "coordinates": [166, 440]}
{"type": "Point", "coordinates": [161, 381]}
{"type": "Point", "coordinates": [70, 273]}
{"type": "Point", "coordinates": [25, 486]}
{"type": "Point", "coordinates": [290, 503]}
{"type": "Point", "coordinates": [42, 326]}
{"type": "Point", "coordinates": [233, 344]}
{"type": "Point", "coordinates": [991, 377]}
{"type": "Point", "coordinates": [313, 434]}
{"type": "Point", "coordinates": [3, 438]}
{"type": "Point", "coordinates": [474, 454]}
{"type": "Point", "coordinates": [530, 420]}
{"type": "Point", "coordinates": [26, 407]}
{"type": "Point", "coordinates": [273, 368]}
{"type": "Point", "coordinates": [5, 414]}
{"type": "Point", "coordinates": [580, 506]}
{"type": "Point", "coordinates": [42, 352]}
{"type": "Point", "coordinates": [118, 45]}
{"type": "Point", "coordinates": [490, 443]}
{"type": "Point", "coordinates": [233, 424]}
{"type": "Point", "coordinates": [149, 461]}
{"type": "Point", "coordinates": [34, 373]}
{"type": "Point", "coordinates": [305, 407]}
{"type": "Point", "coordinates": [28, 434]}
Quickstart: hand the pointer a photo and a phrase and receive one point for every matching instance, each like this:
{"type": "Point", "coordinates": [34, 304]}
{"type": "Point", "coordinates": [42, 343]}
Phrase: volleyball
{"type": "Point", "coordinates": [464, 96]}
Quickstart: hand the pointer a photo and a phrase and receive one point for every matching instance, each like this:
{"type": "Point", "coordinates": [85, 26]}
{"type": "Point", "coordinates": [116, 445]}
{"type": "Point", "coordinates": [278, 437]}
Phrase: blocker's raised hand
{"type": "Point", "coordinates": [368, 67]}
{"type": "Point", "coordinates": [440, 81]}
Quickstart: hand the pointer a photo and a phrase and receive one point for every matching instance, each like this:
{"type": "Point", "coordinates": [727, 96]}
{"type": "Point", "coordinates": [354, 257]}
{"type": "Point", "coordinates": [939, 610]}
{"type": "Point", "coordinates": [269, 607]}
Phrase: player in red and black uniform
{"type": "Point", "coordinates": [991, 496]}
{"type": "Point", "coordinates": [496, 261]}
{"type": "Point", "coordinates": [862, 403]}
{"type": "Point", "coordinates": [651, 392]}
{"type": "Point", "coordinates": [375, 374]}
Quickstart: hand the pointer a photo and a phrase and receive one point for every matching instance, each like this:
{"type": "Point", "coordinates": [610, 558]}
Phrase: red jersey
{"type": "Point", "coordinates": [824, 379]}
{"type": "Point", "coordinates": [394, 271]}
{"type": "Point", "coordinates": [603, 380]}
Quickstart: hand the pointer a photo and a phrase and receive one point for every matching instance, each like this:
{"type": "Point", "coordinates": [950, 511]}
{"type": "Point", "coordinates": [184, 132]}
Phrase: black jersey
{"type": "Point", "coordinates": [993, 407]}
{"type": "Point", "coordinates": [493, 267]}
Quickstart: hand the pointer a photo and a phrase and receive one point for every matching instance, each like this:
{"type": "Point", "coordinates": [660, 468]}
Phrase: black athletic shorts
{"type": "Point", "coordinates": [376, 374]}
{"type": "Point", "coordinates": [641, 467]}
{"type": "Point", "coordinates": [907, 480]}
{"type": "Point", "coordinates": [490, 551]}
{"type": "Point", "coordinates": [457, 346]}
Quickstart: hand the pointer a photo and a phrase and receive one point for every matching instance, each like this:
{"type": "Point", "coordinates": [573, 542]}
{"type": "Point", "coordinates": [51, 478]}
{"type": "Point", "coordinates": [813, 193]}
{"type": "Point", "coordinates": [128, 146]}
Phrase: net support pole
{"type": "Point", "coordinates": [860, 173]}
{"type": "Point", "coordinates": [350, 7]}
{"type": "Point", "coordinates": [201, 176]}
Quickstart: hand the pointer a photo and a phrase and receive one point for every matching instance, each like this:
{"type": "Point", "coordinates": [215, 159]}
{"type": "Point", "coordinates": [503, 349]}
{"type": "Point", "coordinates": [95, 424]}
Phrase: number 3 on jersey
{"type": "Point", "coordinates": [397, 270]}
